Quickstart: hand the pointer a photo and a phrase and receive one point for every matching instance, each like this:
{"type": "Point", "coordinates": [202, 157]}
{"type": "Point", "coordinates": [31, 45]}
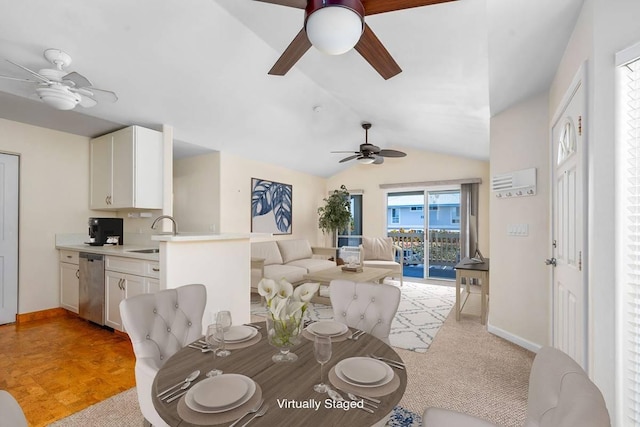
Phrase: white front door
{"type": "Point", "coordinates": [569, 224]}
{"type": "Point", "coordinates": [8, 238]}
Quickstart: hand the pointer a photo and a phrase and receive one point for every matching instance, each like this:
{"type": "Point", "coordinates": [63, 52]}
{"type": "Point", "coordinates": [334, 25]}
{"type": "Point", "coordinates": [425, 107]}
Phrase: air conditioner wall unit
{"type": "Point", "coordinates": [514, 184]}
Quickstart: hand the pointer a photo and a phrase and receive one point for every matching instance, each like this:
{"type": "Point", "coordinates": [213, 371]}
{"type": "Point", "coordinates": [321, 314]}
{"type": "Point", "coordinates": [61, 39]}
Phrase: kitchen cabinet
{"type": "Point", "coordinates": [69, 281]}
{"type": "Point", "coordinates": [125, 278]}
{"type": "Point", "coordinates": [127, 170]}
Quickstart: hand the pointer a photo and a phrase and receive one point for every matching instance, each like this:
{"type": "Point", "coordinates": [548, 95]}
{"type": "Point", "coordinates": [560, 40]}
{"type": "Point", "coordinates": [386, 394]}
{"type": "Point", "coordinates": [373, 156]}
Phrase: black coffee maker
{"type": "Point", "coordinates": [105, 231]}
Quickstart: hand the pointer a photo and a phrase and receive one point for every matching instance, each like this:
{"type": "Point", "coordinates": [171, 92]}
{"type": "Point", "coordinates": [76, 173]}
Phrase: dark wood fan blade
{"type": "Point", "coordinates": [379, 160]}
{"type": "Point", "coordinates": [391, 153]}
{"type": "Point", "coordinates": [346, 159]}
{"type": "Point", "coordinates": [371, 49]}
{"type": "Point", "coordinates": [298, 4]}
{"type": "Point", "coordinates": [298, 47]}
{"type": "Point", "coordinates": [372, 7]}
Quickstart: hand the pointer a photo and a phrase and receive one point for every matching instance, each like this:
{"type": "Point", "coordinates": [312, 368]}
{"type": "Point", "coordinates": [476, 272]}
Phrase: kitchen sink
{"type": "Point", "coordinates": [145, 251]}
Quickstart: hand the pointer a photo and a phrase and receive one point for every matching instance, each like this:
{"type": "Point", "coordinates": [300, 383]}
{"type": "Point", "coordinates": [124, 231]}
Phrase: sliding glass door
{"type": "Point", "coordinates": [430, 242]}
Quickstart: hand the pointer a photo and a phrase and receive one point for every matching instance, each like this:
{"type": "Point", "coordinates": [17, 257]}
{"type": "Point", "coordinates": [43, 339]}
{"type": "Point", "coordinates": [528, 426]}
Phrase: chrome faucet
{"type": "Point", "coordinates": [175, 225]}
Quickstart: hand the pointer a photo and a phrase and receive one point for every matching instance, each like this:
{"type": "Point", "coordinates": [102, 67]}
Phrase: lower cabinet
{"type": "Point", "coordinates": [119, 285]}
{"type": "Point", "coordinates": [69, 281]}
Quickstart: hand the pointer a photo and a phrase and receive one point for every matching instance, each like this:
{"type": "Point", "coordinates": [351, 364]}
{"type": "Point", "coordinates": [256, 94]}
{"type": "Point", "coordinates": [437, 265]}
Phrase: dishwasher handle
{"type": "Point", "coordinates": [91, 257]}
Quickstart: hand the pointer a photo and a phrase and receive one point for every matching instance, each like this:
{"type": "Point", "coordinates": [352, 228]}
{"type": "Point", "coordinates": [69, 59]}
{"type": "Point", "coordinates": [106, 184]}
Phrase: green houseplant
{"type": "Point", "coordinates": [335, 215]}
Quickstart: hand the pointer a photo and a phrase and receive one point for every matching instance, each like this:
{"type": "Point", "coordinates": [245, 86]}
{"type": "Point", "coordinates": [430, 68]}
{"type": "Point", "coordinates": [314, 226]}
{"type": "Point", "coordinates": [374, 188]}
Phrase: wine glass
{"type": "Point", "coordinates": [322, 351]}
{"type": "Point", "coordinates": [223, 318]}
{"type": "Point", "coordinates": [214, 337]}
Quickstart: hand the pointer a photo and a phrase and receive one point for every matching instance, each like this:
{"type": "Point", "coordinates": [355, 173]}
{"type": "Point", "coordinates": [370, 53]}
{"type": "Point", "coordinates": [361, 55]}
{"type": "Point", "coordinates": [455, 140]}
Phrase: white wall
{"type": "Point", "coordinates": [196, 192]}
{"type": "Point", "coordinates": [54, 195]}
{"type": "Point", "coordinates": [418, 166]}
{"type": "Point", "coordinates": [519, 278]}
{"type": "Point", "coordinates": [235, 196]}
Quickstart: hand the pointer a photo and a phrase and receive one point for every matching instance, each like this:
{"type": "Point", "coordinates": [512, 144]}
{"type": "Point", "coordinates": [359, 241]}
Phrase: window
{"type": "Point", "coordinates": [395, 216]}
{"type": "Point", "coordinates": [628, 236]}
{"type": "Point", "coordinates": [416, 208]}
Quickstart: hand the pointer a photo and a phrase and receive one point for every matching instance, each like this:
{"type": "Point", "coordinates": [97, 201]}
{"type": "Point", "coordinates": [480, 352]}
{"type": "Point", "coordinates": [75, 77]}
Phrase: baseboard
{"type": "Point", "coordinates": [42, 314]}
{"type": "Point", "coordinates": [514, 338]}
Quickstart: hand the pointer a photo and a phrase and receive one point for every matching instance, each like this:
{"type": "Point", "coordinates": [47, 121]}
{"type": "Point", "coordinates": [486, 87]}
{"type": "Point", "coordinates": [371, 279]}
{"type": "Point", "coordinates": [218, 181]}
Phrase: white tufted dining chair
{"type": "Point", "coordinates": [11, 414]}
{"type": "Point", "coordinates": [370, 307]}
{"type": "Point", "coordinates": [160, 324]}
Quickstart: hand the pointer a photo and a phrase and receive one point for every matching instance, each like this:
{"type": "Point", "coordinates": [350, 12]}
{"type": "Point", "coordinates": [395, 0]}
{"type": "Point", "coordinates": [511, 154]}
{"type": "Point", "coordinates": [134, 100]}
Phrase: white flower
{"type": "Point", "coordinates": [268, 288]}
{"type": "Point", "coordinates": [294, 307]}
{"type": "Point", "coordinates": [285, 289]}
{"type": "Point", "coordinates": [279, 308]}
{"type": "Point", "coordinates": [305, 292]}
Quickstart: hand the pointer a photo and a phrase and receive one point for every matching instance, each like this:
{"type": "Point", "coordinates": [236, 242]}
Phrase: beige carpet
{"type": "Point", "coordinates": [465, 369]}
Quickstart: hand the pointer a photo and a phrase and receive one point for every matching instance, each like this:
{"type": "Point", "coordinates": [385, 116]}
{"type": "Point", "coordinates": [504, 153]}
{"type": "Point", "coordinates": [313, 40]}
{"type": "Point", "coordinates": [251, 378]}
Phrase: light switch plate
{"type": "Point", "coordinates": [519, 230]}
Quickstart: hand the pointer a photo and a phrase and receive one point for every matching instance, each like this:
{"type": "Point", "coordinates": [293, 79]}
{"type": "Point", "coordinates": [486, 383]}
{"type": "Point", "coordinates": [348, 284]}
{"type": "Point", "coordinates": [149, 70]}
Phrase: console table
{"type": "Point", "coordinates": [468, 270]}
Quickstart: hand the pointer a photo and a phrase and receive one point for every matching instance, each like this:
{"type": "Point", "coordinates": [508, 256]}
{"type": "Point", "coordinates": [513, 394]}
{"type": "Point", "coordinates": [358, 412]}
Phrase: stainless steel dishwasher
{"type": "Point", "coordinates": [92, 287]}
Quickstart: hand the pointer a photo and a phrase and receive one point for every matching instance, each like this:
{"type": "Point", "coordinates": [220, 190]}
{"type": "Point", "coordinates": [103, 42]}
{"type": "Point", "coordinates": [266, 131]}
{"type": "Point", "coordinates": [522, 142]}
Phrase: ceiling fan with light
{"type": "Point", "coordinates": [369, 153]}
{"type": "Point", "coordinates": [336, 26]}
{"type": "Point", "coordinates": [62, 89]}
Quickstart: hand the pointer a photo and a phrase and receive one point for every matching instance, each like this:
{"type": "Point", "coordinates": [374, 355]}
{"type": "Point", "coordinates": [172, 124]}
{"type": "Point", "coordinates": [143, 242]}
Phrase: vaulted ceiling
{"type": "Point", "coordinates": [201, 66]}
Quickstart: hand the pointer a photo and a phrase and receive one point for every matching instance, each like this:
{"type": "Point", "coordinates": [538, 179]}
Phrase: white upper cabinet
{"type": "Point", "coordinates": [127, 170]}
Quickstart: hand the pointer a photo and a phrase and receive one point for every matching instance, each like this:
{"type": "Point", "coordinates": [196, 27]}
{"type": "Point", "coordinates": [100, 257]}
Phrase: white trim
{"type": "Point", "coordinates": [627, 55]}
{"type": "Point", "coordinates": [513, 338]}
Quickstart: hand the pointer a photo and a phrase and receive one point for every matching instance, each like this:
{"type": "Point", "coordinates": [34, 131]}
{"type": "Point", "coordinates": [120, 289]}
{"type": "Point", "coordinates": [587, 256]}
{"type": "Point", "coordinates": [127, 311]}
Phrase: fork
{"type": "Point", "coordinates": [356, 335]}
{"type": "Point", "coordinates": [263, 411]}
{"type": "Point", "coordinates": [250, 411]}
{"type": "Point", "coordinates": [390, 362]}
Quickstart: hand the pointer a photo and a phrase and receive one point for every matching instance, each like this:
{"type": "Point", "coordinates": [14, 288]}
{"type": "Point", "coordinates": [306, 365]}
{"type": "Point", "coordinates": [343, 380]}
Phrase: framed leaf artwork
{"type": "Point", "coordinates": [271, 207]}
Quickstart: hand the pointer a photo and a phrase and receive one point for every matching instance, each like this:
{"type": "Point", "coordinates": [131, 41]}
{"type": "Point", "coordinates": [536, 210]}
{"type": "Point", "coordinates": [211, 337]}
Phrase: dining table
{"type": "Point", "coordinates": [286, 387]}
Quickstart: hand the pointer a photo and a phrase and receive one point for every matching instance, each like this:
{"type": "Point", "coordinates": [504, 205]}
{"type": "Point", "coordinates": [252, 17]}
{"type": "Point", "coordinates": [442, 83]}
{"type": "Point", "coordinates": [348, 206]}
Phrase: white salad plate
{"type": "Point", "coordinates": [220, 393]}
{"type": "Point", "coordinates": [364, 372]}
{"type": "Point", "coordinates": [240, 333]}
{"type": "Point", "coordinates": [327, 328]}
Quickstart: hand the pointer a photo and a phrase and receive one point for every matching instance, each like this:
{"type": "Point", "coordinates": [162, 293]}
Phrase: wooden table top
{"type": "Point", "coordinates": [367, 274]}
{"type": "Point", "coordinates": [281, 381]}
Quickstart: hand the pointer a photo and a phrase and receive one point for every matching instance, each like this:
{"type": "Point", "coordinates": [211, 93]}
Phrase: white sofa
{"type": "Point", "coordinates": [287, 259]}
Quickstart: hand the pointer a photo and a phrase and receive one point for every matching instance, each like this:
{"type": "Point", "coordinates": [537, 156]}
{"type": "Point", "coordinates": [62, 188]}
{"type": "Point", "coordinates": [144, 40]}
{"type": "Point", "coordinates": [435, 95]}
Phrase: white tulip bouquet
{"type": "Point", "coordinates": [286, 307]}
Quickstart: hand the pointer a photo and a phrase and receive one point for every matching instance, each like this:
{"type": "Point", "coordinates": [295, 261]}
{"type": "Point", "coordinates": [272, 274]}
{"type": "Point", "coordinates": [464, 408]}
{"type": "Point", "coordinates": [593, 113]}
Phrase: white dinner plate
{"type": "Point", "coordinates": [240, 333]}
{"type": "Point", "coordinates": [327, 328]}
{"type": "Point", "coordinates": [220, 393]}
{"type": "Point", "coordinates": [364, 372]}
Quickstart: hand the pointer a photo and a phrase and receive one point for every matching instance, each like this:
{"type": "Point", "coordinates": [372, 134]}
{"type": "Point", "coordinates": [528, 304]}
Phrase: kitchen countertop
{"type": "Point", "coordinates": [115, 250]}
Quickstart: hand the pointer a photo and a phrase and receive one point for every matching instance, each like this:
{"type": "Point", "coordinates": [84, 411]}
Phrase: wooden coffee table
{"type": "Point", "coordinates": [368, 274]}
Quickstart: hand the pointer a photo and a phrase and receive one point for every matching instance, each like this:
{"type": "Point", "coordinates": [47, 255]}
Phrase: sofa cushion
{"type": "Point", "coordinates": [290, 273]}
{"type": "Point", "coordinates": [268, 251]}
{"type": "Point", "coordinates": [313, 264]}
{"type": "Point", "coordinates": [291, 250]}
{"type": "Point", "coordinates": [378, 248]}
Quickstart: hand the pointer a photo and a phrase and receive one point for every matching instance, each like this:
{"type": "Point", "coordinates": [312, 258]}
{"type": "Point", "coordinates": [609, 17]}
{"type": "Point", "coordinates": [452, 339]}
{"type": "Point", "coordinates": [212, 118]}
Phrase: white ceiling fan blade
{"type": "Point", "coordinates": [78, 79]}
{"type": "Point", "coordinates": [38, 75]}
{"type": "Point", "coordinates": [18, 79]}
{"type": "Point", "coordinates": [110, 96]}
{"type": "Point", "coordinates": [87, 101]}
{"type": "Point", "coordinates": [81, 91]}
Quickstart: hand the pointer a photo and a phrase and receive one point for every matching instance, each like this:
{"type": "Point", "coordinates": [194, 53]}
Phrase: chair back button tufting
{"type": "Point", "coordinates": [355, 297]}
{"type": "Point", "coordinates": [344, 314]}
{"type": "Point", "coordinates": [362, 316]}
{"type": "Point", "coordinates": [168, 329]}
{"type": "Point", "coordinates": [176, 305]}
{"type": "Point", "coordinates": [148, 337]}
{"type": "Point", "coordinates": [161, 357]}
{"type": "Point", "coordinates": [189, 323]}
{"type": "Point", "coordinates": [373, 299]}
{"type": "Point", "coordinates": [155, 311]}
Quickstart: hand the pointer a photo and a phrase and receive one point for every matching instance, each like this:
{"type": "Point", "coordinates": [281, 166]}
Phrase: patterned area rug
{"type": "Point", "coordinates": [122, 410]}
{"type": "Point", "coordinates": [422, 311]}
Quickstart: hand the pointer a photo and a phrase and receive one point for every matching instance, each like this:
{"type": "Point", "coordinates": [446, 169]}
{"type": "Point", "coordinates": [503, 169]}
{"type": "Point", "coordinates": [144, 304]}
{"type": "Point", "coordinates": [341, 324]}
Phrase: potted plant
{"type": "Point", "coordinates": [335, 215]}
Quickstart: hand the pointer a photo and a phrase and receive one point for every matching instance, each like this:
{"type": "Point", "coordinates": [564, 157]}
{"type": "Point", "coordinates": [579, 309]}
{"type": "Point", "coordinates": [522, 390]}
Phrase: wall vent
{"type": "Point", "coordinates": [514, 184]}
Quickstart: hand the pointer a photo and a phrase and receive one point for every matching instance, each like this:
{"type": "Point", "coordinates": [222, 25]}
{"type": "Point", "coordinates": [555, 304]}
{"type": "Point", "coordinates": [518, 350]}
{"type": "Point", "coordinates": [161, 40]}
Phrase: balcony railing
{"type": "Point", "coordinates": [443, 246]}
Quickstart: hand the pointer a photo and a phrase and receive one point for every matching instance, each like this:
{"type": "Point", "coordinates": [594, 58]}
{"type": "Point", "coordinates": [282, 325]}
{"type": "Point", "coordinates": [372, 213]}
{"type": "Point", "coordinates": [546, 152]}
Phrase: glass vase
{"type": "Point", "coordinates": [283, 335]}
